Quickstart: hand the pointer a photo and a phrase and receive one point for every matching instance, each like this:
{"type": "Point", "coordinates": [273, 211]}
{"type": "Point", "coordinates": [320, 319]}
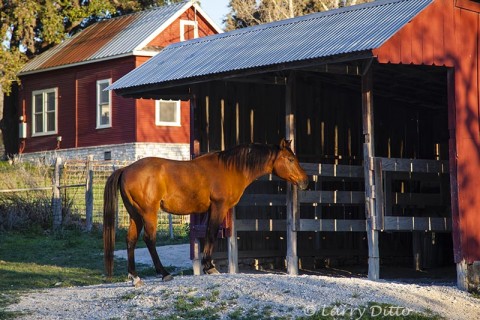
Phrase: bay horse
{"type": "Point", "coordinates": [211, 183]}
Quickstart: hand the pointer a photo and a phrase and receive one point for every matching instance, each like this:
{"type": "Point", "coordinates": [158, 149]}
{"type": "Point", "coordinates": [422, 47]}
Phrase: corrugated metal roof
{"type": "Point", "coordinates": [330, 33]}
{"type": "Point", "coordinates": [106, 39]}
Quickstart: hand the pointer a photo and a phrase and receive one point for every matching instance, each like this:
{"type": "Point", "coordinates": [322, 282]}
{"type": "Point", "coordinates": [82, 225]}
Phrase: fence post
{"type": "Point", "coordinates": [170, 225]}
{"type": "Point", "coordinates": [89, 192]}
{"type": "Point", "coordinates": [197, 260]}
{"type": "Point", "coordinates": [232, 248]}
{"type": "Point", "coordinates": [56, 199]}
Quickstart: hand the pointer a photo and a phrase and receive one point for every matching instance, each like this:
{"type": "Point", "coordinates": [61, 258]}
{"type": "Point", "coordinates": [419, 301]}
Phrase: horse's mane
{"type": "Point", "coordinates": [248, 157]}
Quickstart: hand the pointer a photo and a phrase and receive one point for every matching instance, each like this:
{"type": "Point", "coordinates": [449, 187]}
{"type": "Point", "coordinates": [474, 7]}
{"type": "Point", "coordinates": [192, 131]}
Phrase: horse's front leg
{"type": "Point", "coordinates": [217, 214]}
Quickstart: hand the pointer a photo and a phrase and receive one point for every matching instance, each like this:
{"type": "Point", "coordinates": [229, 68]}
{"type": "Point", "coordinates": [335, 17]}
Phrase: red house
{"type": "Point", "coordinates": [64, 110]}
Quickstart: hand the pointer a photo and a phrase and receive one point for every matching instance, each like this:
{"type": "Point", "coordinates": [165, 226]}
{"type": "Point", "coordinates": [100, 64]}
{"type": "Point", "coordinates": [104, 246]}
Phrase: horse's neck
{"type": "Point", "coordinates": [266, 169]}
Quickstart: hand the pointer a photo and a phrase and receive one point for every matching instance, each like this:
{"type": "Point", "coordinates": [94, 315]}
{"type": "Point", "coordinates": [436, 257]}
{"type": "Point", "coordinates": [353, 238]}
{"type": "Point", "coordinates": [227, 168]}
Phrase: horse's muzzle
{"type": "Point", "coordinates": [302, 185]}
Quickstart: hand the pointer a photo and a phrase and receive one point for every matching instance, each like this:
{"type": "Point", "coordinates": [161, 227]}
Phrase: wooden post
{"type": "Point", "coordinates": [56, 199]}
{"type": "Point", "coordinates": [417, 248]}
{"type": "Point", "coordinates": [89, 193]}
{"type": "Point", "coordinates": [233, 245]}
{"type": "Point", "coordinates": [194, 149]}
{"type": "Point", "coordinates": [292, 201]}
{"type": "Point", "coordinates": [368, 159]}
{"type": "Point", "coordinates": [170, 225]}
{"type": "Point", "coordinates": [197, 260]}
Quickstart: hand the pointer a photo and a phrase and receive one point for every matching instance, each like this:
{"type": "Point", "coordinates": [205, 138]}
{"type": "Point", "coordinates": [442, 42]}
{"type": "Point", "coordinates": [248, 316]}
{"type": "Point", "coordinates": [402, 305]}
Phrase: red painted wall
{"type": "Point", "coordinates": [76, 106]}
{"type": "Point", "coordinates": [148, 131]}
{"type": "Point", "coordinates": [172, 33]}
{"type": "Point", "coordinates": [447, 33]}
{"type": "Point", "coordinates": [132, 120]}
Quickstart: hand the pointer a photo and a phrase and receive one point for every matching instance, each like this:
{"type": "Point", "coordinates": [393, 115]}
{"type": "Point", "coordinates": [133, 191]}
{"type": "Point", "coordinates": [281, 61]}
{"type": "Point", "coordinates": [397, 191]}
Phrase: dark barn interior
{"type": "Point", "coordinates": [410, 119]}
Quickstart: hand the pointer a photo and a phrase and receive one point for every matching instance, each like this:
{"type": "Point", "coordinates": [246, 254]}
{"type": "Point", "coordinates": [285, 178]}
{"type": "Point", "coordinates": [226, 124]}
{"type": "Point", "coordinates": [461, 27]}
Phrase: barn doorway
{"type": "Point", "coordinates": [411, 123]}
{"type": "Point", "coordinates": [411, 149]}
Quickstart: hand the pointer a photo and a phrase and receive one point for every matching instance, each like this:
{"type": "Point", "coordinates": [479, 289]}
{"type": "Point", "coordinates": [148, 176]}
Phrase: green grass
{"type": "Point", "coordinates": [42, 259]}
{"type": "Point", "coordinates": [34, 261]}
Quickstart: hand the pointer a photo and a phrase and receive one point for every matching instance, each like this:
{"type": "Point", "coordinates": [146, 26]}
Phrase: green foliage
{"type": "Point", "coordinates": [191, 306]}
{"type": "Point", "coordinates": [252, 12]}
{"type": "Point", "coordinates": [22, 210]}
{"type": "Point", "coordinates": [29, 27]}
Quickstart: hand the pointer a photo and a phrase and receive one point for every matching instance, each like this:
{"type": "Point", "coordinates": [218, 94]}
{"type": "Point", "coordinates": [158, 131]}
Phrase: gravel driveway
{"type": "Point", "coordinates": [249, 295]}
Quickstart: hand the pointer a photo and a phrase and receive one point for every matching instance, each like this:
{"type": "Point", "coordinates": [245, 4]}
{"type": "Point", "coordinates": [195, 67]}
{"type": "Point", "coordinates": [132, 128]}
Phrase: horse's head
{"type": "Point", "coordinates": [286, 166]}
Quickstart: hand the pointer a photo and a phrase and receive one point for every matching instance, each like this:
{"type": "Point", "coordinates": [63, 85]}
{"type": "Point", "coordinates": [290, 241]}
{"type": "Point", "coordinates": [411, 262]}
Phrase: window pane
{"type": "Point", "coordinates": [51, 121]}
{"type": "Point", "coordinates": [51, 101]}
{"type": "Point", "coordinates": [104, 96]}
{"type": "Point", "coordinates": [38, 122]}
{"type": "Point", "coordinates": [189, 32]}
{"type": "Point", "coordinates": [104, 115]}
{"type": "Point", "coordinates": [38, 102]}
{"type": "Point", "coordinates": [168, 111]}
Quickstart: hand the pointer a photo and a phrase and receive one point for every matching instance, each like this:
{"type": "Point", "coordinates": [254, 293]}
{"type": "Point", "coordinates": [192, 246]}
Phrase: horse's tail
{"type": "Point", "coordinates": [110, 206]}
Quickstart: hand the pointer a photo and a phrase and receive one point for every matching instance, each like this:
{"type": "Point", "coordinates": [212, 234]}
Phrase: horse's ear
{"type": "Point", "coordinates": [284, 144]}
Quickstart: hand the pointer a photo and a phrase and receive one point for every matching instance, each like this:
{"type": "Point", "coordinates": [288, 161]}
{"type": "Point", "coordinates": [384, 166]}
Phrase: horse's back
{"type": "Point", "coordinates": [180, 187]}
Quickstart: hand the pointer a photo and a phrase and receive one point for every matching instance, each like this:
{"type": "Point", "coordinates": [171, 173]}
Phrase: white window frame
{"type": "Point", "coordinates": [184, 23]}
{"type": "Point", "coordinates": [44, 93]}
{"type": "Point", "coordinates": [99, 106]}
{"type": "Point", "coordinates": [178, 114]}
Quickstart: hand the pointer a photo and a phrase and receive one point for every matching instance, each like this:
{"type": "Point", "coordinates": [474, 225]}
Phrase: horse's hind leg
{"type": "Point", "coordinates": [217, 214]}
{"type": "Point", "coordinates": [150, 236]}
{"type": "Point", "coordinates": [134, 229]}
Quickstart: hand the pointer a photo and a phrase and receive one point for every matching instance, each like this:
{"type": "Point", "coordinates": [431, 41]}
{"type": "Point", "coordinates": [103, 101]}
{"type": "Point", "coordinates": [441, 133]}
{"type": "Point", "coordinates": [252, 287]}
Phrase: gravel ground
{"type": "Point", "coordinates": [248, 295]}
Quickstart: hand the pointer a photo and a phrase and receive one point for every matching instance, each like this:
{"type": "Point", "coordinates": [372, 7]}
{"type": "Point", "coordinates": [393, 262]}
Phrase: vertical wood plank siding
{"type": "Point", "coordinates": [447, 34]}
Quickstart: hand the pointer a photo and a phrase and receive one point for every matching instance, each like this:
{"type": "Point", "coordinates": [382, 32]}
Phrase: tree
{"type": "Point", "coordinates": [244, 13]}
{"type": "Point", "coordinates": [30, 27]}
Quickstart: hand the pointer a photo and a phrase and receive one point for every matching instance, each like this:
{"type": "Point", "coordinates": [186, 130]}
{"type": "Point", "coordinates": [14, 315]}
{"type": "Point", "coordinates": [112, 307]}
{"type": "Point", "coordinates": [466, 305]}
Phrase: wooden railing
{"type": "Point", "coordinates": [394, 208]}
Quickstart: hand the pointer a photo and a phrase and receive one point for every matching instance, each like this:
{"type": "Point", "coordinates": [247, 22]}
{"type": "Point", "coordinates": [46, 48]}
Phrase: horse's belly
{"type": "Point", "coordinates": [178, 205]}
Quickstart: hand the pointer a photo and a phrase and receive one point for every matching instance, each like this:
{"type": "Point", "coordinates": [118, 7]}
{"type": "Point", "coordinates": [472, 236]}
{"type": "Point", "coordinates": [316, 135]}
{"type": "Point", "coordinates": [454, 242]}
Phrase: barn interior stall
{"type": "Point", "coordinates": [328, 110]}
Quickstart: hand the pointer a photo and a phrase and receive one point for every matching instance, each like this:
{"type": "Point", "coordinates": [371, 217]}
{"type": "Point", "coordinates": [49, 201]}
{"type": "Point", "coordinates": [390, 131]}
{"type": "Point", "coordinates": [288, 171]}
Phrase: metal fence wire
{"type": "Point", "coordinates": [74, 177]}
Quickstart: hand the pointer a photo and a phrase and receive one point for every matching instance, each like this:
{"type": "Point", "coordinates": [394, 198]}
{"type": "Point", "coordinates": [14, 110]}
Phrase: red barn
{"type": "Point", "coordinates": [63, 107]}
{"type": "Point", "coordinates": [382, 102]}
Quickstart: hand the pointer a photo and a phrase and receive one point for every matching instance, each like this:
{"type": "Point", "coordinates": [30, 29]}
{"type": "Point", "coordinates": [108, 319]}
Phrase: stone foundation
{"type": "Point", "coordinates": [119, 152]}
{"type": "Point", "coordinates": [468, 276]}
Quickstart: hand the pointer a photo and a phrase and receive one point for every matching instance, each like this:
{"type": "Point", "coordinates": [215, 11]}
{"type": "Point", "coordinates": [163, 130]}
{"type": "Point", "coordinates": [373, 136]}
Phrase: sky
{"type": "Point", "coordinates": [216, 9]}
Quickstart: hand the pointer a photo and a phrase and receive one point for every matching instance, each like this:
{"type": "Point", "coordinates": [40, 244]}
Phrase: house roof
{"type": "Point", "coordinates": [354, 29]}
{"type": "Point", "coordinates": [112, 38]}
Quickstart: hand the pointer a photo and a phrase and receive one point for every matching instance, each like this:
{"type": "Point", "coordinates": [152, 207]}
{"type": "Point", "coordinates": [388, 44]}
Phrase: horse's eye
{"type": "Point", "coordinates": [291, 159]}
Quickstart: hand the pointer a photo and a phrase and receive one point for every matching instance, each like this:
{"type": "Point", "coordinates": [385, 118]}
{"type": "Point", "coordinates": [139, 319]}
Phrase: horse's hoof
{"type": "Point", "coordinates": [212, 270]}
{"type": "Point", "coordinates": [136, 281]}
{"type": "Point", "coordinates": [168, 277]}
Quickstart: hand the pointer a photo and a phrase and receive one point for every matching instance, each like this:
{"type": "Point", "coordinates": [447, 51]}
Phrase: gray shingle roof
{"type": "Point", "coordinates": [343, 31]}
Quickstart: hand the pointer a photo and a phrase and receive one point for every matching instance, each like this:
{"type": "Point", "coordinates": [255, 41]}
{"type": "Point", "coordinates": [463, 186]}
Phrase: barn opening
{"type": "Point", "coordinates": [410, 117]}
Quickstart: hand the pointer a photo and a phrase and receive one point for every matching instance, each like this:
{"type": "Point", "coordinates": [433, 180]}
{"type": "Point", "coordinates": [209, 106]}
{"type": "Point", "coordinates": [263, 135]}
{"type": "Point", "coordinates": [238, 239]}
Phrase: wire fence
{"type": "Point", "coordinates": [76, 172]}
{"type": "Point", "coordinates": [76, 191]}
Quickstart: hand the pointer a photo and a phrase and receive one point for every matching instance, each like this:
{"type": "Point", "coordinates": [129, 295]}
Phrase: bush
{"type": "Point", "coordinates": [25, 209]}
{"type": "Point", "coordinates": [18, 213]}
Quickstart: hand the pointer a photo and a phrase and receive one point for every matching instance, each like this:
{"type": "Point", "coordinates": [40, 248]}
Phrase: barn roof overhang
{"type": "Point", "coordinates": [311, 41]}
{"type": "Point", "coordinates": [272, 74]}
